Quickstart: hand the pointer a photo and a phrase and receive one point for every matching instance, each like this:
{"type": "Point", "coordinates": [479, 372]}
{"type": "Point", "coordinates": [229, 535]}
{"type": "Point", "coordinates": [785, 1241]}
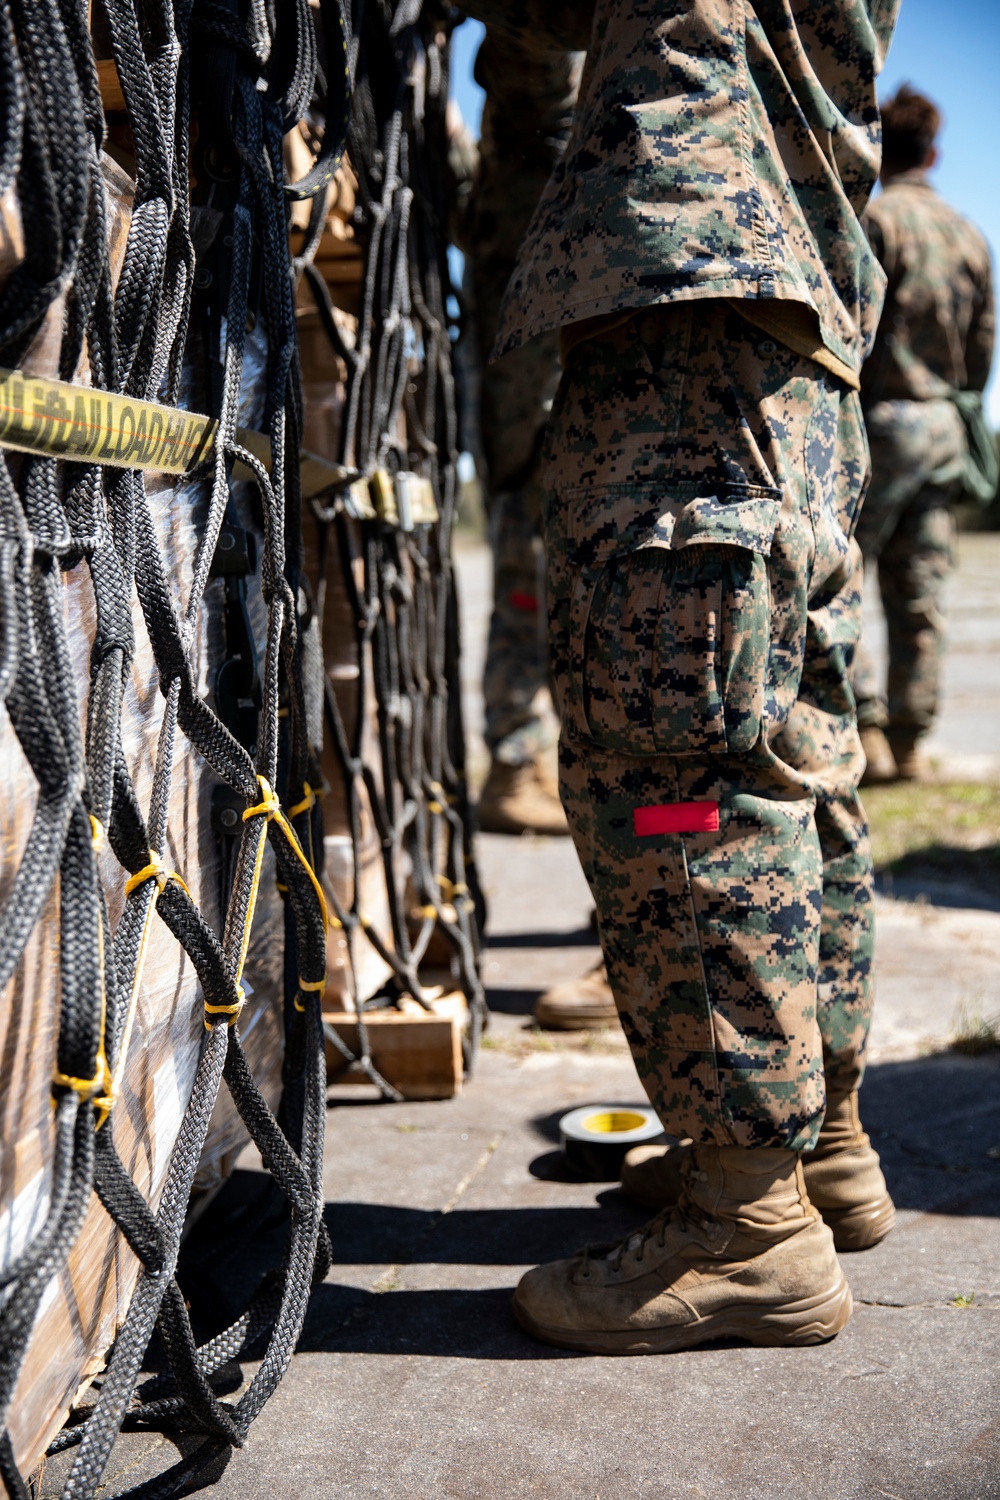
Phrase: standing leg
{"type": "Point", "coordinates": [704, 609]}
{"type": "Point", "coordinates": [905, 529]}
{"type": "Point", "coordinates": [529, 105]}
{"type": "Point", "coordinates": [913, 571]}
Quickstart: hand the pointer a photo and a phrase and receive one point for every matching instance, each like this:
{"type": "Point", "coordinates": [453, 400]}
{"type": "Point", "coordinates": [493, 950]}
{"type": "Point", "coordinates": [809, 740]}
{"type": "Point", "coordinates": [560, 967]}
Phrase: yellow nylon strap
{"type": "Point", "coordinates": [269, 807]}
{"type": "Point", "coordinates": [61, 420]}
{"type": "Point", "coordinates": [456, 892]}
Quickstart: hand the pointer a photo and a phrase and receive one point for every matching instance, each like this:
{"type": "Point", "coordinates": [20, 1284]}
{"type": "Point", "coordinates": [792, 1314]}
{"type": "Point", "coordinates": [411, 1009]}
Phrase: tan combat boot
{"type": "Point", "coordinates": [842, 1175]}
{"type": "Point", "coordinates": [910, 764]}
{"type": "Point", "coordinates": [521, 799]}
{"type": "Point", "coordinates": [880, 763]}
{"type": "Point", "coordinates": [578, 1004]}
{"type": "Point", "coordinates": [845, 1180]}
{"type": "Point", "coordinates": [743, 1255]}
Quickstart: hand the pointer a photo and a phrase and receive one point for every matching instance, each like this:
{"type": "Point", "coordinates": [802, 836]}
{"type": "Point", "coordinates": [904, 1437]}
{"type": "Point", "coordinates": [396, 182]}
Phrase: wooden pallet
{"type": "Point", "coordinates": [419, 1052]}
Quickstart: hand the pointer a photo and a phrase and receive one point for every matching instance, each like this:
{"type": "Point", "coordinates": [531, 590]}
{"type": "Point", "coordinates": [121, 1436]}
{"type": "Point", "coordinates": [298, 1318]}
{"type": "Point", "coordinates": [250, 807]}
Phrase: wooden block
{"type": "Point", "coordinates": [418, 1052]}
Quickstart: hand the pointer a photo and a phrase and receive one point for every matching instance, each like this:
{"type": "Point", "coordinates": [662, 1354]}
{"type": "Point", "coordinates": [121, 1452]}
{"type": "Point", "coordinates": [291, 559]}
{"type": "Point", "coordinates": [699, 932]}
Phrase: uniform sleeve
{"type": "Point", "coordinates": [883, 15]}
{"type": "Point", "coordinates": [979, 344]}
{"type": "Point", "coordinates": [543, 25]}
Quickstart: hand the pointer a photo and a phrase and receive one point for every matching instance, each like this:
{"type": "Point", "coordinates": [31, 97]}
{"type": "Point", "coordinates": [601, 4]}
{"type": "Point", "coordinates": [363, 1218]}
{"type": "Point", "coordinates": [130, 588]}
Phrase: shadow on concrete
{"type": "Point", "coordinates": [512, 1002]}
{"type": "Point", "coordinates": [933, 1122]}
{"type": "Point", "coordinates": [579, 937]}
{"type": "Point", "coordinates": [390, 1234]}
{"type": "Point", "coordinates": [945, 875]}
{"type": "Point", "coordinates": [452, 1323]}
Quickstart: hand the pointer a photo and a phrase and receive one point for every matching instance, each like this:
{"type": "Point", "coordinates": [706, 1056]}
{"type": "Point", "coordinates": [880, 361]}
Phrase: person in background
{"type": "Point", "coordinates": [527, 113]}
{"type": "Point", "coordinates": [921, 390]}
{"type": "Point", "coordinates": [526, 118]}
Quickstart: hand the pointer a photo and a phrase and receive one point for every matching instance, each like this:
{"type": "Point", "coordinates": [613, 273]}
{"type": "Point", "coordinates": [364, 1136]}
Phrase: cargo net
{"type": "Point", "coordinates": [407, 903]}
{"type": "Point", "coordinates": [125, 305]}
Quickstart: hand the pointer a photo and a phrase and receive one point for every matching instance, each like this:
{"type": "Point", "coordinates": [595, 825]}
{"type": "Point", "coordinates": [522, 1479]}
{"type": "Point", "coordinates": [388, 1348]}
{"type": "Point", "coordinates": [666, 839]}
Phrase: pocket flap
{"type": "Point", "coordinates": [748, 522]}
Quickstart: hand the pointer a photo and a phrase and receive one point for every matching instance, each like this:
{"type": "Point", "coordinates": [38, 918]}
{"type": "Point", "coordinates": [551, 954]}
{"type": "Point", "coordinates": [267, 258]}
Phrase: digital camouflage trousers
{"type": "Point", "coordinates": [704, 605]}
{"type": "Point", "coordinates": [526, 118]}
{"type": "Point", "coordinates": [908, 532]}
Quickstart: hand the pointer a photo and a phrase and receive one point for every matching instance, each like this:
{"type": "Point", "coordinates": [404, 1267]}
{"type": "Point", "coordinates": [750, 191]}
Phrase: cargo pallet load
{"type": "Point", "coordinates": [236, 828]}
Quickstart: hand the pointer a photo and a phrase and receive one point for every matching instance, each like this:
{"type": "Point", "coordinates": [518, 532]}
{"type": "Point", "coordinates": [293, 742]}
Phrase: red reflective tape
{"type": "Point", "coordinates": [527, 602]}
{"type": "Point", "coordinates": [676, 817]}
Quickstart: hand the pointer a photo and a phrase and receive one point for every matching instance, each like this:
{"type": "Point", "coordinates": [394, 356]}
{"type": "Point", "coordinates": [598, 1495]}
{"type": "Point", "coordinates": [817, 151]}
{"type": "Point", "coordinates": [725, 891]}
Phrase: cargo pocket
{"type": "Point", "coordinates": [675, 629]}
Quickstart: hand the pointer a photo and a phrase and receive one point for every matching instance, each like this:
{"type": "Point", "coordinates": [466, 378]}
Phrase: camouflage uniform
{"type": "Point", "coordinates": [935, 336]}
{"type": "Point", "coordinates": [707, 460]}
{"type": "Point", "coordinates": [526, 118]}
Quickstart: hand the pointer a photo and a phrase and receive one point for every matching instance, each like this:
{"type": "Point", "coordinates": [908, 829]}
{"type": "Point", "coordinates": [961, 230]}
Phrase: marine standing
{"type": "Point", "coordinates": [530, 94]}
{"type": "Point", "coordinates": [700, 248]}
{"type": "Point", "coordinates": [921, 390]}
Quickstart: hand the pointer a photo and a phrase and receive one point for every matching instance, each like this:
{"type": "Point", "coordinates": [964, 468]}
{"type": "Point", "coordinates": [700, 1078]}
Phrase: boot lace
{"type": "Point", "coordinates": [684, 1213]}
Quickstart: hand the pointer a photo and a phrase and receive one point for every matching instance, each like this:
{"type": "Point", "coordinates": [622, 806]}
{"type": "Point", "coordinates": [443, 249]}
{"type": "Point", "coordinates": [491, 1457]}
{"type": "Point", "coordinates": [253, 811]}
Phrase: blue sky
{"type": "Point", "coordinates": [948, 48]}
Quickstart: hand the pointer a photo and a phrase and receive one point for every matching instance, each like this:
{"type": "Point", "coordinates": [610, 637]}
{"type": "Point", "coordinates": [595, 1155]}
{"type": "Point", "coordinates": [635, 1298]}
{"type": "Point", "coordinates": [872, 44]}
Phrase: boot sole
{"type": "Point", "coordinates": [808, 1320]}
{"type": "Point", "coordinates": [582, 1020]}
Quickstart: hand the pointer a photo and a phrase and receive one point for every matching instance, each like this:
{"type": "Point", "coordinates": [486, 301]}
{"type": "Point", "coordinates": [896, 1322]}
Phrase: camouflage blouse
{"type": "Point", "coordinates": [721, 148]}
{"type": "Point", "coordinates": [937, 323]}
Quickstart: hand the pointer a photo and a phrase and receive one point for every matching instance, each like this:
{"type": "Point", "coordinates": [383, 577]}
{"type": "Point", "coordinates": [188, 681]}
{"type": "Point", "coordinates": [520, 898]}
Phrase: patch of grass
{"type": "Point", "coordinates": [947, 831]}
{"type": "Point", "coordinates": [530, 1040]}
{"type": "Point", "coordinates": [963, 1301]}
{"type": "Point", "coordinates": [975, 1033]}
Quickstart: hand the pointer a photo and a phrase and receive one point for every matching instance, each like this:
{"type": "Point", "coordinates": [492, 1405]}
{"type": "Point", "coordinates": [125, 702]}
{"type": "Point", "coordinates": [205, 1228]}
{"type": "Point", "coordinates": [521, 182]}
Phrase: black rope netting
{"type": "Point", "coordinates": [399, 416]}
{"type": "Point", "coordinates": [171, 326]}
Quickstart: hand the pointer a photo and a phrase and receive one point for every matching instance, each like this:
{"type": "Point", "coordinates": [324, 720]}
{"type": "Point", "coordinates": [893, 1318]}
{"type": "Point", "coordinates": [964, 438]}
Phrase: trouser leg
{"type": "Point", "coordinates": [913, 569]}
{"type": "Point", "coordinates": [704, 608]}
{"type": "Point", "coordinates": [528, 108]}
{"type": "Point", "coordinates": [520, 722]}
{"type": "Point", "coordinates": [905, 529]}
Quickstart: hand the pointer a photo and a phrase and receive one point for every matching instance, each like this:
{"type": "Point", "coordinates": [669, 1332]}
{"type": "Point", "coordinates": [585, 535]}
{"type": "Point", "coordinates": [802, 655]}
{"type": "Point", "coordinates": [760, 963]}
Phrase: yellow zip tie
{"type": "Point", "coordinates": [155, 870]}
{"type": "Point", "coordinates": [308, 802]}
{"type": "Point", "coordinates": [96, 834]}
{"type": "Point", "coordinates": [232, 1011]}
{"type": "Point", "coordinates": [426, 911]}
{"type": "Point", "coordinates": [435, 807]}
